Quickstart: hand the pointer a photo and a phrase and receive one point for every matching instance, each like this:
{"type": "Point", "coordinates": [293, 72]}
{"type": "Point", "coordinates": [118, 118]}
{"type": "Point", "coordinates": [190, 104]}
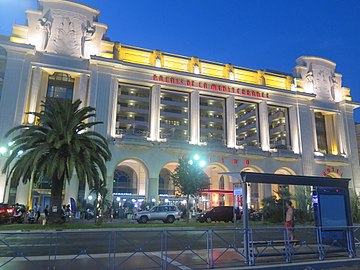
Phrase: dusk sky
{"type": "Point", "coordinates": [253, 34]}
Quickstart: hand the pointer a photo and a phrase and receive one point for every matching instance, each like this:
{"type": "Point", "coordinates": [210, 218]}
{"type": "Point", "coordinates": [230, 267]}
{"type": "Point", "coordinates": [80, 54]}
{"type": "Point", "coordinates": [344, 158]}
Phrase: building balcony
{"type": "Point", "coordinates": [246, 116]}
{"type": "Point", "coordinates": [128, 97]}
{"type": "Point", "coordinates": [246, 128]}
{"type": "Point", "coordinates": [277, 129]}
{"type": "Point", "coordinates": [211, 130]}
{"type": "Point", "coordinates": [174, 103]}
{"type": "Point", "coordinates": [183, 115]}
{"type": "Point", "coordinates": [136, 110]}
{"type": "Point", "coordinates": [132, 132]}
{"type": "Point", "coordinates": [131, 122]}
{"type": "Point", "coordinates": [243, 107]}
{"type": "Point", "coordinates": [277, 115]}
{"type": "Point", "coordinates": [211, 108]}
{"type": "Point", "coordinates": [211, 119]}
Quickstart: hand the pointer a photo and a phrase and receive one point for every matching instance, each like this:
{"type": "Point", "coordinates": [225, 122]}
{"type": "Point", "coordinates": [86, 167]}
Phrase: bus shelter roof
{"type": "Point", "coordinates": [281, 179]}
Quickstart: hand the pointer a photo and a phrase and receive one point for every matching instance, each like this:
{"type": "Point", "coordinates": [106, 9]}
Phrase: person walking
{"type": "Point", "coordinates": [289, 219]}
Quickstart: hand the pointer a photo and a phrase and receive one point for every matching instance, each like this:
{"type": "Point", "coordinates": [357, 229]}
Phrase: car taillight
{"type": "Point", "coordinates": [2, 211]}
{"type": "Point", "coordinates": [10, 210]}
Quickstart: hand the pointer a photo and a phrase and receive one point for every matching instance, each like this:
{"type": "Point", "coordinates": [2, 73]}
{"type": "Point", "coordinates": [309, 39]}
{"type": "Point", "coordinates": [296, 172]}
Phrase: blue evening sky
{"type": "Point", "coordinates": [257, 34]}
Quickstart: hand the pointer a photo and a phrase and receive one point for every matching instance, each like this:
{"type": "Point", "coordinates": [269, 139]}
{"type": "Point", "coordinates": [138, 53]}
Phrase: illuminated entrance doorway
{"type": "Point", "coordinates": [129, 183]}
{"type": "Point", "coordinates": [220, 191]}
{"type": "Point", "coordinates": [167, 191]}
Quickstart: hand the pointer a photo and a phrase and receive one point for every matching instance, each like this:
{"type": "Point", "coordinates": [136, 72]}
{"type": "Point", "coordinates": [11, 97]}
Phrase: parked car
{"type": "Point", "coordinates": [6, 213]}
{"type": "Point", "coordinates": [219, 213]}
{"type": "Point", "coordinates": [166, 213]}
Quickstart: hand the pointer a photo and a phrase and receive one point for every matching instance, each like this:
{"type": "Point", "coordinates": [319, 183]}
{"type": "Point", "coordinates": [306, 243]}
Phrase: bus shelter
{"type": "Point", "coordinates": [328, 191]}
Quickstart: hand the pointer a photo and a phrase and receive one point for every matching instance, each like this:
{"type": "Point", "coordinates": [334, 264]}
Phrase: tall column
{"type": "Point", "coordinates": [109, 186]}
{"type": "Point", "coordinates": [340, 133]}
{"type": "Point", "coordinates": [351, 145]}
{"type": "Point", "coordinates": [313, 129]}
{"type": "Point", "coordinates": [34, 93]}
{"type": "Point", "coordinates": [230, 122]}
{"type": "Point", "coordinates": [22, 193]}
{"type": "Point", "coordinates": [113, 106]}
{"type": "Point", "coordinates": [264, 126]}
{"type": "Point", "coordinates": [155, 113]}
{"type": "Point", "coordinates": [306, 128]}
{"type": "Point", "coordinates": [153, 188]}
{"type": "Point", "coordinates": [82, 89]}
{"type": "Point", "coordinates": [4, 194]}
{"type": "Point", "coordinates": [194, 118]}
{"type": "Point", "coordinates": [71, 189]}
{"type": "Point", "coordinates": [294, 129]}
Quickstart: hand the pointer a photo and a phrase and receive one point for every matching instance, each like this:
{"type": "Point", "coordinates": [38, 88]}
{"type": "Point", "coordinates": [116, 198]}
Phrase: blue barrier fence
{"type": "Point", "coordinates": [185, 248]}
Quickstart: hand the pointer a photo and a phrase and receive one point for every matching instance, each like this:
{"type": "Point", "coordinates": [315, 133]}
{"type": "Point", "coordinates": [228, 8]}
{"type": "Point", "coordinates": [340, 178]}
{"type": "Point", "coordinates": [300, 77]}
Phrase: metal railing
{"type": "Point", "coordinates": [183, 248]}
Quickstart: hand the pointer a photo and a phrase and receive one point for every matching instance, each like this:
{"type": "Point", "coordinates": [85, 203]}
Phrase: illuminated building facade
{"type": "Point", "coordinates": [158, 106]}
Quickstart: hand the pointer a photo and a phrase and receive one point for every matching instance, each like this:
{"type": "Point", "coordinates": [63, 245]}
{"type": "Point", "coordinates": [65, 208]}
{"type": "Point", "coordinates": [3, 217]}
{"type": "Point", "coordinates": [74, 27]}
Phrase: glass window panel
{"type": "Point", "coordinates": [60, 86]}
{"type": "Point", "coordinates": [279, 127]}
{"type": "Point", "coordinates": [212, 120]}
{"type": "Point", "coordinates": [246, 115]}
{"type": "Point", "coordinates": [174, 115]}
{"type": "Point", "coordinates": [132, 117]}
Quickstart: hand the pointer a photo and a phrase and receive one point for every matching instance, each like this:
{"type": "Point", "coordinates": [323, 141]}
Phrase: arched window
{"type": "Point", "coordinates": [221, 182]}
{"type": "Point", "coordinates": [125, 180]}
{"type": "Point", "coordinates": [231, 75]}
{"type": "Point", "coordinates": [158, 62]}
{"type": "Point", "coordinates": [196, 69]}
{"type": "Point", "coordinates": [165, 184]}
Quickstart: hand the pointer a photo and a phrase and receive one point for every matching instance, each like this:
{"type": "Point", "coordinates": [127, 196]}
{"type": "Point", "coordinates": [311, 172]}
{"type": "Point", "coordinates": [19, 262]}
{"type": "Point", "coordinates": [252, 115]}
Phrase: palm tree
{"type": "Point", "coordinates": [61, 142]}
{"type": "Point", "coordinates": [190, 179]}
{"type": "Point", "coordinates": [101, 201]}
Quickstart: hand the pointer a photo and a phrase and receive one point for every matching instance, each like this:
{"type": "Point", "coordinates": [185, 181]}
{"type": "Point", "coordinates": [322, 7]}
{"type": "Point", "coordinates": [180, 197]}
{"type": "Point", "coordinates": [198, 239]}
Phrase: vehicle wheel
{"type": "Point", "coordinates": [143, 219]}
{"type": "Point", "coordinates": [208, 220]}
{"type": "Point", "coordinates": [170, 219]}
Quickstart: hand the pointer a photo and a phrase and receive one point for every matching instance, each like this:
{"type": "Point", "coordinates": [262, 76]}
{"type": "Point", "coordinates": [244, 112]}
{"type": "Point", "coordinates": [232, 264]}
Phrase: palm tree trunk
{"type": "Point", "coordinates": [56, 215]}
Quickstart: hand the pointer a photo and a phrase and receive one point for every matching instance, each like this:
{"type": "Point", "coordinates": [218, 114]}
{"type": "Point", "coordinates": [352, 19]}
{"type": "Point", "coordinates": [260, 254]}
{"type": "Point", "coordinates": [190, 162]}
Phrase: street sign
{"type": "Point", "coordinates": [237, 191]}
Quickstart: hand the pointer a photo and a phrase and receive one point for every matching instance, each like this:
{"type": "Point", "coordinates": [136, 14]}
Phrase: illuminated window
{"type": "Point", "coordinates": [246, 115]}
{"type": "Point", "coordinates": [212, 120]}
{"type": "Point", "coordinates": [325, 133]}
{"type": "Point", "coordinates": [158, 62]}
{"type": "Point", "coordinates": [133, 110]}
{"type": "Point", "coordinates": [196, 69]}
{"type": "Point", "coordinates": [174, 115]}
{"type": "Point", "coordinates": [231, 75]}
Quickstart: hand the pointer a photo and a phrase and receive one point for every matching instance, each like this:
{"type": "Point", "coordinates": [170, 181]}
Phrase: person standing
{"type": "Point", "coordinates": [36, 209]}
{"type": "Point", "coordinates": [289, 219]}
{"type": "Point", "coordinates": [46, 212]}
